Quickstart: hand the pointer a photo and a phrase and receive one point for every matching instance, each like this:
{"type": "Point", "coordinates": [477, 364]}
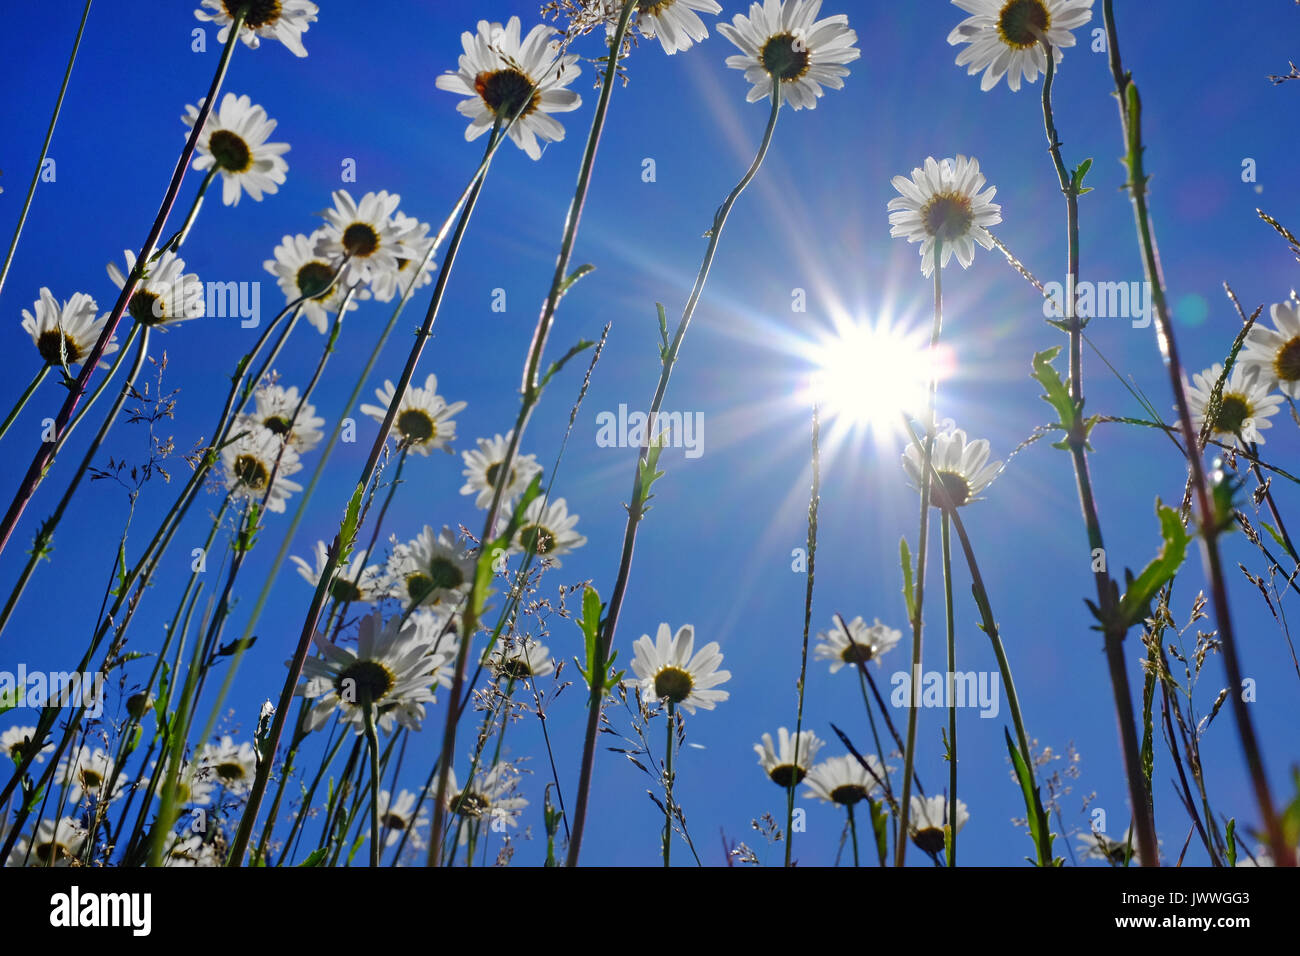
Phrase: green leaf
{"type": "Point", "coordinates": [1056, 394]}
{"type": "Point", "coordinates": [594, 672]}
{"type": "Point", "coordinates": [135, 739]}
{"type": "Point", "coordinates": [315, 858]}
{"type": "Point", "coordinates": [555, 366]}
{"type": "Point", "coordinates": [1134, 607]}
{"type": "Point", "coordinates": [1281, 542]}
{"type": "Point", "coordinates": [1231, 834]}
{"type": "Point", "coordinates": [573, 277]}
{"type": "Point", "coordinates": [1076, 180]}
{"type": "Point", "coordinates": [664, 344]}
{"type": "Point", "coordinates": [905, 559]}
{"type": "Point", "coordinates": [647, 473]}
{"type": "Point", "coordinates": [1035, 814]}
{"type": "Point", "coordinates": [880, 827]}
{"type": "Point", "coordinates": [483, 570]}
{"type": "Point", "coordinates": [351, 518]}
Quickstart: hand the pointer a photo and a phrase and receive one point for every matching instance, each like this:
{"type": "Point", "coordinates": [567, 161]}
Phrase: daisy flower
{"type": "Point", "coordinates": [782, 40]}
{"type": "Point", "coordinates": [387, 285]}
{"type": "Point", "coordinates": [283, 20]}
{"type": "Point", "coordinates": [368, 232]}
{"type": "Point", "coordinates": [53, 844]}
{"type": "Point", "coordinates": [548, 531]}
{"type": "Point", "coordinates": [1276, 352]}
{"type": "Point", "coordinates": [668, 671]}
{"type": "Point", "coordinates": [65, 333]}
{"type": "Point", "coordinates": [856, 644]}
{"type": "Point", "coordinates": [844, 781]}
{"type": "Point", "coordinates": [16, 741]}
{"type": "Point", "coordinates": [390, 667]}
{"type": "Point", "coordinates": [962, 468]}
{"type": "Point", "coordinates": [252, 459]}
{"type": "Point", "coordinates": [491, 797]}
{"type": "Point", "coordinates": [437, 629]}
{"type": "Point", "coordinates": [299, 271]}
{"type": "Point", "coordinates": [87, 773]}
{"type": "Point", "coordinates": [274, 410]}
{"type": "Point", "coordinates": [676, 23]}
{"type": "Point", "coordinates": [780, 762]}
{"type": "Point", "coordinates": [942, 202]}
{"type": "Point", "coordinates": [234, 141]}
{"type": "Point", "coordinates": [424, 419]}
{"type": "Point", "coordinates": [500, 76]}
{"type": "Point", "coordinates": [431, 569]}
{"type": "Point", "coordinates": [483, 467]}
{"type": "Point", "coordinates": [522, 659]}
{"type": "Point", "coordinates": [227, 764]}
{"type": "Point", "coordinates": [1095, 845]}
{"type": "Point", "coordinates": [398, 816]}
{"type": "Point", "coordinates": [929, 821]}
{"type": "Point", "coordinates": [1245, 406]}
{"type": "Point", "coordinates": [1005, 36]}
{"type": "Point", "coordinates": [352, 583]}
{"type": "Point", "coordinates": [166, 294]}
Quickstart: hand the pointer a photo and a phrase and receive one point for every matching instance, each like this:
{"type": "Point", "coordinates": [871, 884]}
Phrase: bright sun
{"type": "Point", "coordinates": [868, 375]}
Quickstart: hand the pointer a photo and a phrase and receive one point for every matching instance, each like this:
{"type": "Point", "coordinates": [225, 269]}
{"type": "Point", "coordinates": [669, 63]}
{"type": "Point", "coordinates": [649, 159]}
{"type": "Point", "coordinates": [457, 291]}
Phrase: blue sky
{"type": "Point", "coordinates": [716, 549]}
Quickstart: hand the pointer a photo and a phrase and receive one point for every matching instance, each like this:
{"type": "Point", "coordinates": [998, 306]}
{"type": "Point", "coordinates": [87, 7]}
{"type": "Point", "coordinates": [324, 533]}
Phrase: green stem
{"type": "Point", "coordinates": [668, 785]}
{"type": "Point", "coordinates": [909, 752]}
{"type": "Point", "coordinates": [37, 470]}
{"type": "Point", "coordinates": [372, 742]}
{"type": "Point", "coordinates": [1130, 118]}
{"type": "Point", "coordinates": [951, 848]}
{"type": "Point", "coordinates": [814, 502]}
{"type": "Point", "coordinates": [636, 508]}
{"type": "Point", "coordinates": [22, 399]}
{"type": "Point", "coordinates": [45, 147]}
{"type": "Point", "coordinates": [531, 395]}
{"type": "Point", "coordinates": [853, 830]}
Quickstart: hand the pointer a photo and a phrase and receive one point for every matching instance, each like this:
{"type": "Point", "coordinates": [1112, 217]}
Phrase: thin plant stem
{"type": "Point", "coordinates": [41, 544]}
{"type": "Point", "coordinates": [945, 537]}
{"type": "Point", "coordinates": [532, 388]}
{"type": "Point", "coordinates": [45, 148]}
{"type": "Point", "coordinates": [1115, 629]}
{"type": "Point", "coordinates": [239, 845]}
{"type": "Point", "coordinates": [814, 503]}
{"type": "Point", "coordinates": [23, 398]}
{"type": "Point", "coordinates": [668, 784]}
{"type": "Point", "coordinates": [372, 742]}
{"type": "Point", "coordinates": [853, 829]}
{"type": "Point", "coordinates": [636, 509]}
{"type": "Point", "coordinates": [36, 471]}
{"type": "Point", "coordinates": [1130, 120]}
{"type": "Point", "coordinates": [909, 752]}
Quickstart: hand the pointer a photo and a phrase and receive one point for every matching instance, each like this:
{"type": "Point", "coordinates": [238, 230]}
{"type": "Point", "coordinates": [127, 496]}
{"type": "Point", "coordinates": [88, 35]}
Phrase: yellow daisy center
{"type": "Point", "coordinates": [1287, 361]}
{"type": "Point", "coordinates": [58, 347]}
{"type": "Point", "coordinates": [847, 794]}
{"type": "Point", "coordinates": [366, 680]}
{"type": "Point", "coordinates": [1233, 412]}
{"type": "Point", "coordinates": [1021, 21]}
{"type": "Point", "coordinates": [251, 471]}
{"type": "Point", "coordinates": [416, 426]}
{"type": "Point", "coordinates": [673, 684]}
{"type": "Point", "coordinates": [230, 151]}
{"type": "Point", "coordinates": [785, 57]}
{"type": "Point", "coordinates": [507, 92]}
{"type": "Point", "coordinates": [360, 239]}
{"type": "Point", "coordinates": [948, 216]}
{"type": "Point", "coordinates": [260, 12]}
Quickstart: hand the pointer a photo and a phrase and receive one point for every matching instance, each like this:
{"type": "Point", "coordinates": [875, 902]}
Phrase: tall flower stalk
{"type": "Point", "coordinates": [1211, 521]}
{"type": "Point", "coordinates": [1115, 628]}
{"type": "Point", "coordinates": [532, 385]}
{"type": "Point", "coordinates": [642, 477]}
{"type": "Point", "coordinates": [45, 148]}
{"type": "Point", "coordinates": [36, 471]}
{"type": "Point", "coordinates": [918, 597]}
